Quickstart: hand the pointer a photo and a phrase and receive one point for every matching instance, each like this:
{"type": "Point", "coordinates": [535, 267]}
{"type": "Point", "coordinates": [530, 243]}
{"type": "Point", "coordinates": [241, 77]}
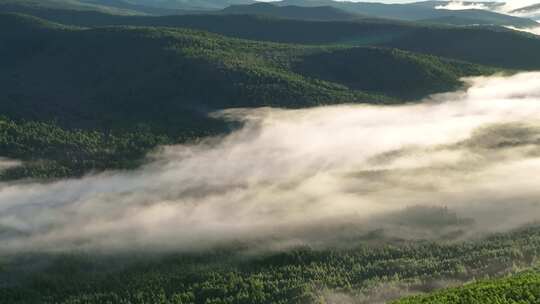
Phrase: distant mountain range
{"type": "Point", "coordinates": [155, 7]}
{"type": "Point", "coordinates": [189, 4]}
{"type": "Point", "coordinates": [325, 10]}
{"type": "Point", "coordinates": [293, 12]}
{"type": "Point", "coordinates": [493, 46]}
{"type": "Point", "coordinates": [416, 11]}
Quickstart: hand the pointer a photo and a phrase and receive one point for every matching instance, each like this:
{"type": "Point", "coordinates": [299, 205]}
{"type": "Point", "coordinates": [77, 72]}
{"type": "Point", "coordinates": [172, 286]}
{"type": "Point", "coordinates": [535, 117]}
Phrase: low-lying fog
{"type": "Point", "coordinates": [317, 175]}
{"type": "Point", "coordinates": [511, 7]}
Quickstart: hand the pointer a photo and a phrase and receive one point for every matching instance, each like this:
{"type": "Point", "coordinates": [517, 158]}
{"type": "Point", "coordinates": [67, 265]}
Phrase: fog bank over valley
{"type": "Point", "coordinates": [456, 165]}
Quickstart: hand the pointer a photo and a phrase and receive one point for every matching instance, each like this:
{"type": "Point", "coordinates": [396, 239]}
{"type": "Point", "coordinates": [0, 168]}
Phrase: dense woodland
{"type": "Point", "coordinates": [88, 87]}
{"type": "Point", "coordinates": [301, 275]}
{"type": "Point", "coordinates": [519, 288]}
{"type": "Point", "coordinates": [48, 151]}
{"type": "Point", "coordinates": [122, 80]}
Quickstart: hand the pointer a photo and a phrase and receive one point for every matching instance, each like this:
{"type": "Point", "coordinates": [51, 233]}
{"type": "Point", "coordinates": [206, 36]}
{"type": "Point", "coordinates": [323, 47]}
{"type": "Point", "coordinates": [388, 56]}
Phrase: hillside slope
{"type": "Point", "coordinates": [302, 275]}
{"type": "Point", "coordinates": [322, 13]}
{"type": "Point", "coordinates": [413, 11]}
{"type": "Point", "coordinates": [138, 72]}
{"type": "Point", "coordinates": [77, 5]}
{"type": "Point", "coordinates": [192, 4]}
{"type": "Point", "coordinates": [497, 47]}
{"type": "Point", "coordinates": [480, 45]}
{"type": "Point", "coordinates": [142, 83]}
{"type": "Point", "coordinates": [146, 70]}
{"type": "Point", "coordinates": [520, 288]}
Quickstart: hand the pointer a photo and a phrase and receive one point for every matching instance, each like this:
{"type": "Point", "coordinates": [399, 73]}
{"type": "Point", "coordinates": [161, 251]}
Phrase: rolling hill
{"type": "Point", "coordinates": [165, 81]}
{"type": "Point", "coordinates": [113, 7]}
{"type": "Point", "coordinates": [157, 7]}
{"type": "Point", "coordinates": [482, 45]}
{"type": "Point", "coordinates": [519, 288]}
{"type": "Point", "coordinates": [141, 8]}
{"type": "Point", "coordinates": [77, 5]}
{"type": "Point", "coordinates": [454, 20]}
{"type": "Point", "coordinates": [191, 4]}
{"type": "Point", "coordinates": [414, 12]}
{"type": "Point", "coordinates": [179, 64]}
{"type": "Point", "coordinates": [322, 13]}
{"type": "Point", "coordinates": [87, 89]}
{"type": "Point", "coordinates": [299, 275]}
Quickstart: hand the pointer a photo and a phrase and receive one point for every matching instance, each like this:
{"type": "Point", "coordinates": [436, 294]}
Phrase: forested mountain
{"type": "Point", "coordinates": [519, 288]}
{"type": "Point", "coordinates": [454, 20]}
{"type": "Point", "coordinates": [299, 9]}
{"type": "Point", "coordinates": [130, 172]}
{"type": "Point", "coordinates": [118, 7]}
{"type": "Point", "coordinates": [163, 74]}
{"type": "Point", "coordinates": [370, 274]}
{"type": "Point", "coordinates": [414, 11]}
{"type": "Point", "coordinates": [92, 7]}
{"type": "Point", "coordinates": [157, 7]}
{"type": "Point", "coordinates": [292, 12]}
{"type": "Point", "coordinates": [483, 45]}
{"type": "Point", "coordinates": [191, 4]}
{"type": "Point", "coordinates": [35, 46]}
{"type": "Point", "coordinates": [122, 78]}
{"type": "Point", "coordinates": [142, 9]}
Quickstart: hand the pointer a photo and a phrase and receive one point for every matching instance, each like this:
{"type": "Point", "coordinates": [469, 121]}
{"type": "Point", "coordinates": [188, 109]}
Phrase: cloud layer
{"type": "Point", "coordinates": [312, 175]}
{"type": "Point", "coordinates": [518, 8]}
{"type": "Point", "coordinates": [460, 5]}
{"type": "Point", "coordinates": [532, 30]}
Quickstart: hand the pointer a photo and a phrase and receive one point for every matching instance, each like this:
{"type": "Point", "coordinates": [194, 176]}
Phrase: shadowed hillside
{"type": "Point", "coordinates": [151, 69]}
{"type": "Point", "coordinates": [370, 274]}
{"type": "Point", "coordinates": [480, 45]}
{"type": "Point", "coordinates": [519, 288]}
{"type": "Point", "coordinates": [166, 80]}
{"type": "Point", "coordinates": [413, 11]}
{"type": "Point", "coordinates": [322, 13]}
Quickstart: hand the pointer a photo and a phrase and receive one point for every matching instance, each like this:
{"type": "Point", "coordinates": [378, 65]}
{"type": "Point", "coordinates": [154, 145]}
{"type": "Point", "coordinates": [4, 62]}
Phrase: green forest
{"type": "Point", "coordinates": [520, 288]}
{"type": "Point", "coordinates": [301, 275]}
{"type": "Point", "coordinates": [131, 76]}
{"type": "Point", "coordinates": [96, 87]}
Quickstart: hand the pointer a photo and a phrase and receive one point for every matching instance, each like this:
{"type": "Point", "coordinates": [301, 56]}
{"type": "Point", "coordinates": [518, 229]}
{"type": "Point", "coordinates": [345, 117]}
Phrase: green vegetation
{"type": "Point", "coordinates": [294, 276]}
{"type": "Point", "coordinates": [192, 4]}
{"type": "Point", "coordinates": [415, 11]}
{"type": "Point", "coordinates": [129, 7]}
{"type": "Point", "coordinates": [320, 13]}
{"type": "Point", "coordinates": [514, 50]}
{"type": "Point", "coordinates": [164, 74]}
{"type": "Point", "coordinates": [169, 78]}
{"type": "Point", "coordinates": [166, 81]}
{"type": "Point", "coordinates": [48, 151]}
{"type": "Point", "coordinates": [360, 69]}
{"type": "Point", "coordinates": [491, 46]}
{"type": "Point", "coordinates": [97, 91]}
{"type": "Point", "coordinates": [520, 288]}
{"type": "Point", "coordinates": [76, 5]}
